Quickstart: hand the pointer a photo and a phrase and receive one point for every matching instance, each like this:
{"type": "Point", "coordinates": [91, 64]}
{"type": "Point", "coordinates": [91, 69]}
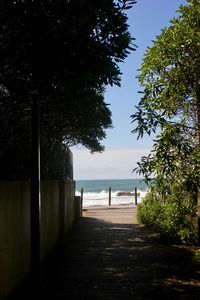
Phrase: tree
{"type": "Point", "coordinates": [171, 106]}
{"type": "Point", "coordinates": [64, 53]}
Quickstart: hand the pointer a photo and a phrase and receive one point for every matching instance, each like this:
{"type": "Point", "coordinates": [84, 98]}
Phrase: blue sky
{"type": "Point", "coordinates": [122, 149]}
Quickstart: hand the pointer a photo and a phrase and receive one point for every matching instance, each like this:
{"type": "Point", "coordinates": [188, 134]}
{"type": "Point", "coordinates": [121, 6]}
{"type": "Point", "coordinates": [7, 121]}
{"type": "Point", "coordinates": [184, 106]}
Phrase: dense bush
{"type": "Point", "coordinates": [173, 219]}
{"type": "Point", "coordinates": [170, 107]}
{"type": "Point", "coordinates": [149, 210]}
{"type": "Point", "coordinates": [197, 256]}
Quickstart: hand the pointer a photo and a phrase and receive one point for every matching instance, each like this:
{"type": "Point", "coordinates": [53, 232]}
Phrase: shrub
{"type": "Point", "coordinates": [172, 219]}
{"type": "Point", "coordinates": [149, 210]}
{"type": "Point", "coordinates": [197, 256]}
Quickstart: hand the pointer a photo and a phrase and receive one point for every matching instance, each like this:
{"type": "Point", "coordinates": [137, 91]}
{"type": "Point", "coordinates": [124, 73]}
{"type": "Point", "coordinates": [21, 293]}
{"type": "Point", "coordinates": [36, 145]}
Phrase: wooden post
{"type": "Point", "coordinates": [35, 193]}
{"type": "Point", "coordinates": [62, 207]}
{"type": "Point", "coordinates": [109, 200]}
{"type": "Point", "coordinates": [136, 196]}
{"type": "Point", "coordinates": [81, 201]}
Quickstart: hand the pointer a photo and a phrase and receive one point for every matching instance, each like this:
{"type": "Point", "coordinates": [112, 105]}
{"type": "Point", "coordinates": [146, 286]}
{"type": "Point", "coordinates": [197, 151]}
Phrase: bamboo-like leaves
{"type": "Point", "coordinates": [169, 77]}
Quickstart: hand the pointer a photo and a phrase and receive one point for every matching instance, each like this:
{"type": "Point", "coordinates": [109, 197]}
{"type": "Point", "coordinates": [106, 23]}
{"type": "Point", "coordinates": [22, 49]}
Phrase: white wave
{"type": "Point", "coordinates": [102, 198]}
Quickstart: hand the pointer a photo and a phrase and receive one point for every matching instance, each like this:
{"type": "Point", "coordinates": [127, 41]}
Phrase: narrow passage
{"type": "Point", "coordinates": [110, 256]}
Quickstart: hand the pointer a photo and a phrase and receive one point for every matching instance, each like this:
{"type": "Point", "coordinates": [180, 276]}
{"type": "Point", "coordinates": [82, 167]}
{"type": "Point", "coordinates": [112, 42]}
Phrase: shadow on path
{"type": "Point", "coordinates": [109, 258]}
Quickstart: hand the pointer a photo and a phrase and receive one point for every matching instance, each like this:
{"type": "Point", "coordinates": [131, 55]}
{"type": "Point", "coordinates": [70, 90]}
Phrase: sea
{"type": "Point", "coordinates": [96, 192]}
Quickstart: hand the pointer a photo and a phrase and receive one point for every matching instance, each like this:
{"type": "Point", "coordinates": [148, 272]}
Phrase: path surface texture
{"type": "Point", "coordinates": [110, 256]}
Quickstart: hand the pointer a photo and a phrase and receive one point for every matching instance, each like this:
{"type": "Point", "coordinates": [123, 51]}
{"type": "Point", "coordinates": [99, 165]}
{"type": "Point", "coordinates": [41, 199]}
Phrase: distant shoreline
{"type": "Point", "coordinates": [107, 179]}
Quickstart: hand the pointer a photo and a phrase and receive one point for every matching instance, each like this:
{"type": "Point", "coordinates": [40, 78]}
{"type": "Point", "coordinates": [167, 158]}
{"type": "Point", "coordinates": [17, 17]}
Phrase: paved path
{"type": "Point", "coordinates": [109, 256]}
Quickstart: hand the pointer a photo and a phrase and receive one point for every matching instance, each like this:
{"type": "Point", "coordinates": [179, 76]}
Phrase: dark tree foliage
{"type": "Point", "coordinates": [64, 53]}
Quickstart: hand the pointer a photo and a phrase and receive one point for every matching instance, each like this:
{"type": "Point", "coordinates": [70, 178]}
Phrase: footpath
{"type": "Point", "coordinates": [109, 256]}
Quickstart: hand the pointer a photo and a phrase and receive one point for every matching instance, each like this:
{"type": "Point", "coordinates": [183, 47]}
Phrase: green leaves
{"type": "Point", "coordinates": [169, 76]}
{"type": "Point", "coordinates": [170, 106]}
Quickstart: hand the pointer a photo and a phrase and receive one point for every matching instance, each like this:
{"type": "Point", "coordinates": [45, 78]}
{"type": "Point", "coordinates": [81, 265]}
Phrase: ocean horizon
{"type": "Point", "coordinates": [95, 191]}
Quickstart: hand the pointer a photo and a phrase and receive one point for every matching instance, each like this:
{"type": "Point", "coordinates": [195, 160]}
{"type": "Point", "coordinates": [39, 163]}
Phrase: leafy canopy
{"type": "Point", "coordinates": [170, 107]}
{"type": "Point", "coordinates": [64, 53]}
{"type": "Point", "coordinates": [170, 104]}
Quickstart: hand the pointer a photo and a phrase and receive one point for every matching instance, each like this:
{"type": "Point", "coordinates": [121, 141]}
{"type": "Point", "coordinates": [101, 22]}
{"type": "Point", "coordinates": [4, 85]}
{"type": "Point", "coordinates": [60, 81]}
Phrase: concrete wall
{"type": "Point", "coordinates": [50, 218]}
{"type": "Point", "coordinates": [15, 248]}
{"type": "Point", "coordinates": [58, 212]}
